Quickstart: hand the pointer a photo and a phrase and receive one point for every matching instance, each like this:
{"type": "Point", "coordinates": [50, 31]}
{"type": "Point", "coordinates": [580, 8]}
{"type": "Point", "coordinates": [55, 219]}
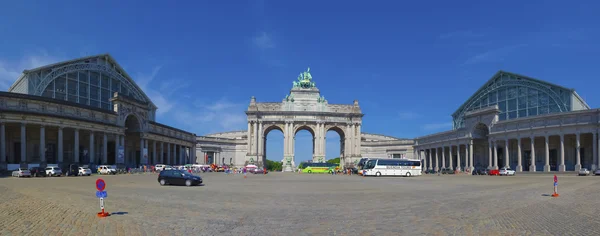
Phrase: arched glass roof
{"type": "Point", "coordinates": [518, 96]}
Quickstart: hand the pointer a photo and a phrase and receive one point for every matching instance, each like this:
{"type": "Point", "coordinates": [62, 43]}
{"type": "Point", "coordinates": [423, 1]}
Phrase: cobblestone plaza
{"type": "Point", "coordinates": [300, 204]}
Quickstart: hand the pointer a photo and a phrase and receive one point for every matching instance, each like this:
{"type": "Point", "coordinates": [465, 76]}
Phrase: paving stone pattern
{"type": "Point", "coordinates": [302, 204]}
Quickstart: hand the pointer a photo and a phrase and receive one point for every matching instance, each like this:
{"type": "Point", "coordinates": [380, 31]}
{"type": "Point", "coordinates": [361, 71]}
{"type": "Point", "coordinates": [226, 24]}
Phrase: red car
{"type": "Point", "coordinates": [494, 172]}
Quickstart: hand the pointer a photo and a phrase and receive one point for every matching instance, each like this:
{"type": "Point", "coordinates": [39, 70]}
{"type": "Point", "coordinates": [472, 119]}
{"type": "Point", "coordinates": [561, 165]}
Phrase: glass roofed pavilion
{"type": "Point", "coordinates": [519, 96]}
{"type": "Point", "coordinates": [85, 111]}
{"type": "Point", "coordinates": [517, 122]}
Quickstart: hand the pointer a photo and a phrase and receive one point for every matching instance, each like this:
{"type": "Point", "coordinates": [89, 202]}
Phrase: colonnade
{"type": "Point", "coordinates": [538, 150]}
{"type": "Point", "coordinates": [175, 153]}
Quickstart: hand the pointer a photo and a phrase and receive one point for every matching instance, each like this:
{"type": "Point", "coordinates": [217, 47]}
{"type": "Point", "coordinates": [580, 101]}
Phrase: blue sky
{"type": "Point", "coordinates": [409, 63]}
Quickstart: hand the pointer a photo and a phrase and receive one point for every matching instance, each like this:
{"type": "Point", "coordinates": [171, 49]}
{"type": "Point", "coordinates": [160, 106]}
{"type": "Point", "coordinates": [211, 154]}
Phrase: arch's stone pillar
{"type": "Point", "coordinates": [288, 152]}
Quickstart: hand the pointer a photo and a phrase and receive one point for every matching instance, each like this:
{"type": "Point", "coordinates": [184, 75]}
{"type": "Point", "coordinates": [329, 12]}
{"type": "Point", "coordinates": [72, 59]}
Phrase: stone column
{"type": "Point", "coordinates": [547, 153]}
{"type": "Point", "coordinates": [562, 166]}
{"type": "Point", "coordinates": [76, 147]}
{"type": "Point", "coordinates": [60, 145]}
{"type": "Point", "coordinates": [471, 164]}
{"type": "Point", "coordinates": [193, 154]}
{"type": "Point", "coordinates": [147, 147]}
{"type": "Point", "coordinates": [317, 142]}
{"type": "Point", "coordinates": [443, 157]}
{"type": "Point", "coordinates": [154, 160]}
{"type": "Point", "coordinates": [249, 146]}
{"type": "Point", "coordinates": [104, 149]}
{"type": "Point", "coordinates": [358, 140]}
{"type": "Point", "coordinates": [577, 154]}
{"type": "Point", "coordinates": [507, 153]}
{"type": "Point", "coordinates": [595, 151]}
{"type": "Point", "coordinates": [254, 139]}
{"type": "Point", "coordinates": [117, 144]}
{"type": "Point", "coordinates": [458, 157]}
{"type": "Point", "coordinates": [92, 151]}
{"type": "Point", "coordinates": [142, 142]}
{"type": "Point", "coordinates": [466, 156]}
{"type": "Point", "coordinates": [261, 138]}
{"type": "Point", "coordinates": [532, 166]}
{"type": "Point", "coordinates": [450, 157]}
{"type": "Point", "coordinates": [162, 153]}
{"type": "Point", "coordinates": [428, 153]}
{"type": "Point", "coordinates": [23, 144]}
{"type": "Point", "coordinates": [43, 145]}
{"type": "Point", "coordinates": [519, 160]}
{"type": "Point", "coordinates": [348, 143]}
{"type": "Point", "coordinates": [495, 155]}
{"type": "Point", "coordinates": [122, 144]}
{"type": "Point", "coordinates": [169, 154]}
{"type": "Point", "coordinates": [2, 144]}
{"type": "Point", "coordinates": [437, 164]}
{"type": "Point", "coordinates": [490, 154]}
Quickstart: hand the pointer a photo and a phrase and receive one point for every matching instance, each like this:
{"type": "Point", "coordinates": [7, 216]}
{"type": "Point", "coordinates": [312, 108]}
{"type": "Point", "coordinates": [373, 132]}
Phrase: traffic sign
{"type": "Point", "coordinates": [101, 194]}
{"type": "Point", "coordinates": [100, 184]}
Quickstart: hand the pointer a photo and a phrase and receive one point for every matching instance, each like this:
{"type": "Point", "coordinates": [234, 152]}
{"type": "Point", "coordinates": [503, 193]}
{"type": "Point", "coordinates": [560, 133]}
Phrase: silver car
{"type": "Point", "coordinates": [597, 172]}
{"type": "Point", "coordinates": [584, 172]}
{"type": "Point", "coordinates": [21, 172]}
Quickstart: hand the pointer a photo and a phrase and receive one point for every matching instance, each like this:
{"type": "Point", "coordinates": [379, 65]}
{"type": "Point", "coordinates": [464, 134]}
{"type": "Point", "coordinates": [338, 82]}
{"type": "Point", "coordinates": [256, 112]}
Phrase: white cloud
{"type": "Point", "coordinates": [160, 96]}
{"type": "Point", "coordinates": [218, 116]}
{"type": "Point", "coordinates": [10, 72]}
{"type": "Point", "coordinates": [263, 41]}
{"type": "Point", "coordinates": [408, 115]}
{"type": "Point", "coordinates": [438, 126]}
{"type": "Point", "coordinates": [492, 55]}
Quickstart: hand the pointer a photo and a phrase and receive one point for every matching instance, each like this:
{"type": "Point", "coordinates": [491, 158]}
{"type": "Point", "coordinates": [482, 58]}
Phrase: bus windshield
{"type": "Point", "coordinates": [370, 164]}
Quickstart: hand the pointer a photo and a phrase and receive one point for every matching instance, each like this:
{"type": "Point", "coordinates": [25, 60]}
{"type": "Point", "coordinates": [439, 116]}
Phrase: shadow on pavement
{"type": "Point", "coordinates": [120, 213]}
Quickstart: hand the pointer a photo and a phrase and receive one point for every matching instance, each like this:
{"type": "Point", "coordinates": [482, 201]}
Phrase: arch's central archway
{"type": "Point", "coordinates": [304, 109]}
{"type": "Point", "coordinates": [481, 152]}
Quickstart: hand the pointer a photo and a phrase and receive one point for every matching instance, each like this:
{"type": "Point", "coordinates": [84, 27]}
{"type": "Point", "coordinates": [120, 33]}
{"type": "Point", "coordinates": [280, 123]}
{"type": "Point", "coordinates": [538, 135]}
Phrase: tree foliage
{"type": "Point", "coordinates": [334, 160]}
{"type": "Point", "coordinates": [274, 165]}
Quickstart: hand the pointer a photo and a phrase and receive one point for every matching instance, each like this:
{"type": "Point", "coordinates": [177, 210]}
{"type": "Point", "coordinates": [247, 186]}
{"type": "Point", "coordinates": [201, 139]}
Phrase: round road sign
{"type": "Point", "coordinates": [100, 184]}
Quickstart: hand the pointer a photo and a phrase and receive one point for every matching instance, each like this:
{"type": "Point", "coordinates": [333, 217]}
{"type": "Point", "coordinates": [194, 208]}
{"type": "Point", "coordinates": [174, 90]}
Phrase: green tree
{"type": "Point", "coordinates": [273, 165]}
{"type": "Point", "coordinates": [334, 160]}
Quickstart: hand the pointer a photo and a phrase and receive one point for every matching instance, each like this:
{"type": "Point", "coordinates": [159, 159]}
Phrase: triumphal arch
{"type": "Point", "coordinates": [304, 109]}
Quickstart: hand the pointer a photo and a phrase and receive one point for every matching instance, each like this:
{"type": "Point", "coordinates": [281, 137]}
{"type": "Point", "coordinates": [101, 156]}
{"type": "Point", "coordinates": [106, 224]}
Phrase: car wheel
{"type": "Point", "coordinates": [163, 182]}
{"type": "Point", "coordinates": [35, 175]}
{"type": "Point", "coordinates": [407, 174]}
{"type": "Point", "coordinates": [378, 174]}
{"type": "Point", "coordinates": [310, 171]}
{"type": "Point", "coordinates": [188, 183]}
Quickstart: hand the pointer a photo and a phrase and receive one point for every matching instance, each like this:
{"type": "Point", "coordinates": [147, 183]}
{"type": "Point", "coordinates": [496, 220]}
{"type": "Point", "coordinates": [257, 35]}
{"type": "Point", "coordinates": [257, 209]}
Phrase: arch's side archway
{"type": "Point", "coordinates": [332, 141]}
{"type": "Point", "coordinates": [275, 141]}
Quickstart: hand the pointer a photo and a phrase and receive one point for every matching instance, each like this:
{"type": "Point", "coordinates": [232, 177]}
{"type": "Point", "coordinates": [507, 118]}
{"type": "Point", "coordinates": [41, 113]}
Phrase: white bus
{"type": "Point", "coordinates": [392, 167]}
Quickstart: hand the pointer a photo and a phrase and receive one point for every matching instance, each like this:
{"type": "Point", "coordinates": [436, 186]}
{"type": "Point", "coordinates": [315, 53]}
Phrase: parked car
{"type": "Point", "coordinates": [597, 172]}
{"type": "Point", "coordinates": [259, 171]}
{"type": "Point", "coordinates": [447, 171]}
{"type": "Point", "coordinates": [159, 167]}
{"type": "Point", "coordinates": [506, 171]}
{"type": "Point", "coordinates": [494, 172]}
{"type": "Point", "coordinates": [53, 171]}
{"type": "Point", "coordinates": [480, 171]}
{"type": "Point", "coordinates": [432, 171]}
{"type": "Point", "coordinates": [584, 172]}
{"type": "Point", "coordinates": [72, 170]}
{"type": "Point", "coordinates": [85, 171]}
{"type": "Point", "coordinates": [106, 170]}
{"type": "Point", "coordinates": [37, 172]}
{"type": "Point", "coordinates": [21, 172]}
{"type": "Point", "coordinates": [178, 177]}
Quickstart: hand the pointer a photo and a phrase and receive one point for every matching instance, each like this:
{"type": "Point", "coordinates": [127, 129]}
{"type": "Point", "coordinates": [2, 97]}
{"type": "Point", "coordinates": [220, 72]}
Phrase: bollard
{"type": "Point", "coordinates": [555, 194]}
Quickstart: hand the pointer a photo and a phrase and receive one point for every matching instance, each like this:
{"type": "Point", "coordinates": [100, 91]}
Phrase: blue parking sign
{"type": "Point", "coordinates": [101, 194]}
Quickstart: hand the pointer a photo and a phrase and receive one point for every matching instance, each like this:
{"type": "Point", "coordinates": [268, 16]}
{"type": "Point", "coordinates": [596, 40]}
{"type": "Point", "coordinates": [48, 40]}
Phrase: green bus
{"type": "Point", "coordinates": [310, 168]}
